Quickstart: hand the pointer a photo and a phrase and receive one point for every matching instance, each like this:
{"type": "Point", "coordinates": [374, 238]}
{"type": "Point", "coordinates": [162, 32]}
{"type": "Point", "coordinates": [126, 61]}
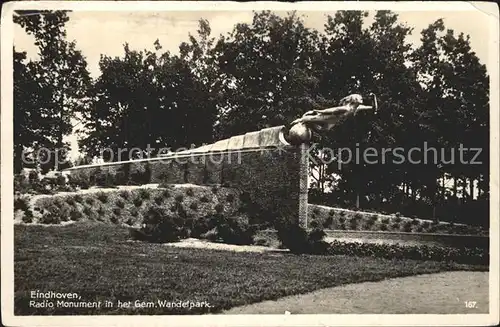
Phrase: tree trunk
{"type": "Point", "coordinates": [443, 187]}
{"type": "Point", "coordinates": [471, 188]}
{"type": "Point", "coordinates": [455, 187]}
{"type": "Point", "coordinates": [464, 190]}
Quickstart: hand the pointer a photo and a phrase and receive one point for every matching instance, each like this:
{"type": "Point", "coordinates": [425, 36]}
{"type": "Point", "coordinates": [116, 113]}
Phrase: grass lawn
{"type": "Point", "coordinates": [98, 262]}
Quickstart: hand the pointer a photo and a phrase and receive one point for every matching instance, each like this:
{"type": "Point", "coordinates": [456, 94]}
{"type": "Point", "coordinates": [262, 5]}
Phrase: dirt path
{"type": "Point", "coordinates": [442, 293]}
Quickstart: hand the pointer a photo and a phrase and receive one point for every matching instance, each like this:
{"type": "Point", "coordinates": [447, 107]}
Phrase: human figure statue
{"type": "Point", "coordinates": [326, 119]}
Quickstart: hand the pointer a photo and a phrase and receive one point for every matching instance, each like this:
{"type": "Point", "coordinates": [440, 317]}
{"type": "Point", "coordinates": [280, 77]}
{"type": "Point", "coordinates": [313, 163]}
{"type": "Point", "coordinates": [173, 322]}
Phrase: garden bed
{"type": "Point", "coordinates": [343, 219]}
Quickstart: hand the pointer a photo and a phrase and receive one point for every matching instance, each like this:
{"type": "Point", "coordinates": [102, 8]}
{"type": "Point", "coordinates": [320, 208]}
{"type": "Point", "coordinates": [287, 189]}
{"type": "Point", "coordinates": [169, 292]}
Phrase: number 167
{"type": "Point", "coordinates": [470, 304]}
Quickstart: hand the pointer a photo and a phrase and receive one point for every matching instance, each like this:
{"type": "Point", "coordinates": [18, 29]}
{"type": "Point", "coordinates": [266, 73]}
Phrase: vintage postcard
{"type": "Point", "coordinates": [208, 163]}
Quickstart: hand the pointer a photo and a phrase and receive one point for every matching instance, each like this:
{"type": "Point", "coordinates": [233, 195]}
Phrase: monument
{"type": "Point", "coordinates": [270, 165]}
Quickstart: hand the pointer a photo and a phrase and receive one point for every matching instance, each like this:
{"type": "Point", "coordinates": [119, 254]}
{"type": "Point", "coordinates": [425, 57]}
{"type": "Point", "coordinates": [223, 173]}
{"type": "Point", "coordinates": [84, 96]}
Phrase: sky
{"type": "Point", "coordinates": [105, 33]}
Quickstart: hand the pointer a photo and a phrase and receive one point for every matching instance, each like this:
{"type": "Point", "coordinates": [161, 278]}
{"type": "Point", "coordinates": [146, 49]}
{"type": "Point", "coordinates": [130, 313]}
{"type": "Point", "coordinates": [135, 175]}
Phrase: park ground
{"type": "Point", "coordinates": [100, 262]}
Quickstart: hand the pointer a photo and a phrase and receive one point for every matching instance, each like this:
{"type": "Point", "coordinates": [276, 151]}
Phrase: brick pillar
{"type": "Point", "coordinates": [304, 174]}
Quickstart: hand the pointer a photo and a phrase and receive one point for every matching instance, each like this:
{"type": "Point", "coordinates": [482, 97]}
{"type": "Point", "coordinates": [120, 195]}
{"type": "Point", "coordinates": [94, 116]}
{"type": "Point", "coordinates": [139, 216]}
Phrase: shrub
{"type": "Point", "coordinates": [298, 240]}
{"type": "Point", "coordinates": [117, 211]}
{"type": "Point", "coordinates": [75, 215]}
{"type": "Point", "coordinates": [353, 224]}
{"type": "Point", "coordinates": [158, 200]}
{"type": "Point", "coordinates": [103, 197]}
{"type": "Point", "coordinates": [79, 180]}
{"type": "Point", "coordinates": [367, 226]}
{"type": "Point", "coordinates": [28, 216]}
{"type": "Point", "coordinates": [125, 195]}
{"type": "Point", "coordinates": [189, 192]}
{"type": "Point", "coordinates": [70, 201]}
{"type": "Point", "coordinates": [314, 224]}
{"type": "Point", "coordinates": [101, 211]}
{"type": "Point", "coordinates": [328, 222]}
{"type": "Point", "coordinates": [215, 189]}
{"type": "Point", "coordinates": [179, 198]}
{"type": "Point", "coordinates": [89, 200]}
{"type": "Point", "coordinates": [138, 202]}
{"type": "Point", "coordinates": [407, 226]}
{"type": "Point", "coordinates": [134, 212]}
{"type": "Point", "coordinates": [114, 219]}
{"type": "Point", "coordinates": [60, 180]}
{"type": "Point", "coordinates": [230, 198]}
{"type": "Point", "coordinates": [50, 216]}
{"type": "Point", "coordinates": [385, 220]}
{"type": "Point", "coordinates": [341, 220]}
{"type": "Point", "coordinates": [374, 218]}
{"type": "Point", "coordinates": [342, 213]}
{"type": "Point", "coordinates": [181, 211]}
{"type": "Point", "coordinates": [415, 221]}
{"type": "Point", "coordinates": [159, 226]}
{"type": "Point", "coordinates": [383, 227]}
{"type": "Point", "coordinates": [87, 211]}
{"type": "Point", "coordinates": [120, 204]}
{"type": "Point", "coordinates": [140, 176]}
{"type": "Point", "coordinates": [166, 193]}
{"type": "Point", "coordinates": [234, 230]}
{"type": "Point", "coordinates": [397, 219]}
{"type": "Point", "coordinates": [315, 242]}
{"type": "Point", "coordinates": [210, 235]}
{"type": "Point", "coordinates": [203, 225]}
{"type": "Point", "coordinates": [129, 222]}
{"type": "Point", "coordinates": [57, 203]}
{"type": "Point", "coordinates": [331, 213]}
{"type": "Point", "coordinates": [395, 226]}
{"type": "Point", "coordinates": [261, 242]}
{"type": "Point", "coordinates": [315, 211]}
{"type": "Point", "coordinates": [103, 178]}
{"type": "Point", "coordinates": [219, 208]}
{"type": "Point", "coordinates": [204, 199]}
{"type": "Point", "coordinates": [144, 194]}
{"type": "Point", "coordinates": [21, 203]}
{"type": "Point", "coordinates": [358, 216]}
{"type": "Point", "coordinates": [193, 206]}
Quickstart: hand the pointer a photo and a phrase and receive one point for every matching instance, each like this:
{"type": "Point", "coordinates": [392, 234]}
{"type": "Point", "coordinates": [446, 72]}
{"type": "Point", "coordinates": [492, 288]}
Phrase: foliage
{"type": "Point", "coordinates": [476, 256]}
{"type": "Point", "coordinates": [159, 226]}
{"type": "Point", "coordinates": [298, 240]}
{"type": "Point", "coordinates": [56, 85]}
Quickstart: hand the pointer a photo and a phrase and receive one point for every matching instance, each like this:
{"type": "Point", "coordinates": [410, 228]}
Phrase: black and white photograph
{"type": "Point", "coordinates": [227, 163]}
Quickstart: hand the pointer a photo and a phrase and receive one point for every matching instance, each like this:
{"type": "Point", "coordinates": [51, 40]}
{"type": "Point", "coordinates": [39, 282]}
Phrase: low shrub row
{"type": "Point", "coordinates": [33, 184]}
{"type": "Point", "coordinates": [422, 252]}
{"type": "Point", "coordinates": [339, 219]}
{"type": "Point", "coordinates": [161, 226]}
{"type": "Point", "coordinates": [125, 174]}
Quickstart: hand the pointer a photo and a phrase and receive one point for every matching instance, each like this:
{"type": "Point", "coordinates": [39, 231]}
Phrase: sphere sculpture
{"type": "Point", "coordinates": [299, 133]}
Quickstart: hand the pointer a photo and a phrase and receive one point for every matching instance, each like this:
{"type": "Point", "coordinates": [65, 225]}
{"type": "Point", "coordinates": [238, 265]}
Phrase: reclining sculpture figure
{"type": "Point", "coordinates": [326, 119]}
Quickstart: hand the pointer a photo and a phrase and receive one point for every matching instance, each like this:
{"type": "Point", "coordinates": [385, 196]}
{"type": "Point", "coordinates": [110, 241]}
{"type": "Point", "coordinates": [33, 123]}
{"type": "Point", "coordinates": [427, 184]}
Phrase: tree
{"type": "Point", "coordinates": [364, 60]}
{"type": "Point", "coordinates": [61, 73]}
{"type": "Point", "coordinates": [28, 119]}
{"type": "Point", "coordinates": [147, 100]}
{"type": "Point", "coordinates": [456, 92]}
{"type": "Point", "coordinates": [266, 69]}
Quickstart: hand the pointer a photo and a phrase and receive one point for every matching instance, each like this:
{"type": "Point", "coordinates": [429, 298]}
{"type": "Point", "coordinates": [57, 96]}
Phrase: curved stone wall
{"type": "Point", "coordinates": [272, 173]}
